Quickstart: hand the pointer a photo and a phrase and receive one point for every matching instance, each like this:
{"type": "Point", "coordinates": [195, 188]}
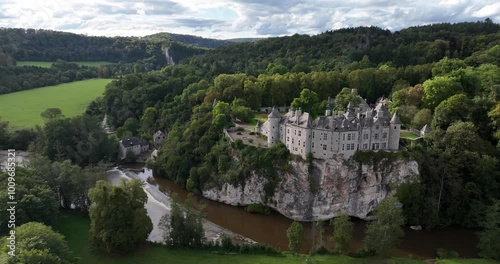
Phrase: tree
{"type": "Point", "coordinates": [35, 200]}
{"type": "Point", "coordinates": [295, 234]}
{"type": "Point", "coordinates": [422, 117]}
{"type": "Point", "coordinates": [38, 243]}
{"type": "Point", "coordinates": [240, 111]}
{"type": "Point", "coordinates": [347, 96]}
{"type": "Point", "coordinates": [308, 102]}
{"type": "Point", "coordinates": [455, 108]}
{"type": "Point", "coordinates": [118, 219]}
{"type": "Point", "coordinates": [342, 232]}
{"type": "Point", "coordinates": [383, 234]}
{"type": "Point", "coordinates": [221, 114]}
{"type": "Point", "coordinates": [51, 113]}
{"type": "Point", "coordinates": [489, 238]}
{"type": "Point", "coordinates": [148, 120]}
{"type": "Point", "coordinates": [439, 89]}
{"type": "Point", "coordinates": [183, 227]}
{"type": "Point", "coordinates": [4, 133]}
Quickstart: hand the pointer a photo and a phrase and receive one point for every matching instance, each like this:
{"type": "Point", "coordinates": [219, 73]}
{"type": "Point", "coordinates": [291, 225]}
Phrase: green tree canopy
{"type": "Point", "coordinates": [489, 238]}
{"type": "Point", "coordinates": [183, 226]}
{"type": "Point", "coordinates": [384, 234]}
{"type": "Point", "coordinates": [308, 102]}
{"type": "Point", "coordinates": [51, 113]}
{"type": "Point", "coordinates": [343, 230]}
{"type": "Point", "coordinates": [295, 234]}
{"type": "Point", "coordinates": [37, 243]}
{"type": "Point", "coordinates": [36, 201]}
{"type": "Point", "coordinates": [347, 96]}
{"type": "Point", "coordinates": [455, 108]}
{"type": "Point", "coordinates": [439, 89]}
{"type": "Point", "coordinates": [118, 219]}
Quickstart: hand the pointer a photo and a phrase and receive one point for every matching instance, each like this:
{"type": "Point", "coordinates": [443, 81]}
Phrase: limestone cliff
{"type": "Point", "coordinates": [341, 186]}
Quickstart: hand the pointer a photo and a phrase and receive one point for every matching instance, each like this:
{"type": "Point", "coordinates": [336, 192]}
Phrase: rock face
{"type": "Point", "coordinates": [341, 186]}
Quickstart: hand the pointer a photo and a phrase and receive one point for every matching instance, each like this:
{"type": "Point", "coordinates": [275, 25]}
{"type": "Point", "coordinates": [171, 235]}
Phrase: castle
{"type": "Point", "coordinates": [360, 128]}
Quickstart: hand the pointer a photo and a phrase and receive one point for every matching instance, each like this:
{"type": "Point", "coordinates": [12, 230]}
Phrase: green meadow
{"type": "Point", "coordinates": [22, 109]}
{"type": "Point", "coordinates": [47, 64]}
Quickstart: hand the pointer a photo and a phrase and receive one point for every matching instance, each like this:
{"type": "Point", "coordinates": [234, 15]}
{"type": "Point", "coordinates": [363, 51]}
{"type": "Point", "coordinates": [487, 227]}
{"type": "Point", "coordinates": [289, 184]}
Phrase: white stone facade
{"type": "Point", "coordinates": [362, 129]}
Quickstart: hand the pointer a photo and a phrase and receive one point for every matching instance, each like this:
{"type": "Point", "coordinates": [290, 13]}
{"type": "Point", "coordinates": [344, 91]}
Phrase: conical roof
{"type": "Point", "coordinates": [395, 119]}
{"type": "Point", "coordinates": [274, 114]}
{"type": "Point", "coordinates": [426, 129]}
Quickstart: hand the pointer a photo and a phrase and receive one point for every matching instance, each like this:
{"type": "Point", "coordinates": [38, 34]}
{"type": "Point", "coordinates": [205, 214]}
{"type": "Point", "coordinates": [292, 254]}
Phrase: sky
{"type": "Point", "coordinates": [224, 19]}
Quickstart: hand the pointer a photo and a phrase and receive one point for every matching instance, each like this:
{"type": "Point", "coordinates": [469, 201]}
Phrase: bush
{"type": "Point", "coordinates": [227, 243]}
{"type": "Point", "coordinates": [238, 133]}
{"type": "Point", "coordinates": [446, 254]}
{"type": "Point", "coordinates": [251, 133]}
{"type": "Point", "coordinates": [240, 129]}
{"type": "Point", "coordinates": [258, 208]}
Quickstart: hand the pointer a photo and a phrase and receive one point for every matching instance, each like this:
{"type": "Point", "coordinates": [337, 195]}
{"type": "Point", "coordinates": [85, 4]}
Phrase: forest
{"type": "Point", "coordinates": [444, 75]}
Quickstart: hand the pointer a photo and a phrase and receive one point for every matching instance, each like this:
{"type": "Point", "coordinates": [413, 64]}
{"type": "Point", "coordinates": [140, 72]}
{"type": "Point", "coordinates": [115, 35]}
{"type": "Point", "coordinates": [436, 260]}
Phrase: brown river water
{"type": "Point", "coordinates": [271, 229]}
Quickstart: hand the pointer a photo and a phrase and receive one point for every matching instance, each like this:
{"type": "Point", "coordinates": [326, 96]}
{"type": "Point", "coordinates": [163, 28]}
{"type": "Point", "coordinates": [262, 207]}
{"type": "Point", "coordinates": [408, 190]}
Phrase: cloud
{"type": "Point", "coordinates": [236, 18]}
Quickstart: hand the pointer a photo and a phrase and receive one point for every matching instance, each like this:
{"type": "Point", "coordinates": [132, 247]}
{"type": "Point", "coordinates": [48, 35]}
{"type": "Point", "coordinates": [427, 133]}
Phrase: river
{"type": "Point", "coordinates": [271, 229]}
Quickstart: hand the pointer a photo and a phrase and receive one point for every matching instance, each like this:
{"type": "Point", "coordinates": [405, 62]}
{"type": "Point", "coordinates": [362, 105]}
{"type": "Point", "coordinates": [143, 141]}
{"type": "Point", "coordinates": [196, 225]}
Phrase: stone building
{"type": "Point", "coordinates": [158, 138]}
{"type": "Point", "coordinates": [360, 128]}
{"type": "Point", "coordinates": [136, 145]}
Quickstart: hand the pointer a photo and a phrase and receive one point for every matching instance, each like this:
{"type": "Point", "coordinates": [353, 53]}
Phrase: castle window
{"type": "Point", "coordinates": [299, 142]}
{"type": "Point", "coordinates": [384, 135]}
{"type": "Point", "coordinates": [376, 136]}
{"type": "Point", "coordinates": [383, 146]}
{"type": "Point", "coordinates": [394, 127]}
{"type": "Point", "coordinates": [376, 127]}
{"type": "Point", "coordinates": [287, 139]}
{"type": "Point", "coordinates": [325, 136]}
{"type": "Point", "coordinates": [324, 147]}
{"type": "Point", "coordinates": [288, 130]}
{"type": "Point", "coordinates": [375, 146]}
{"type": "Point", "coordinates": [313, 134]}
{"type": "Point", "coordinates": [343, 137]}
{"type": "Point", "coordinates": [365, 146]}
{"type": "Point", "coordinates": [295, 132]}
{"type": "Point", "coordinates": [348, 146]}
{"type": "Point", "coordinates": [352, 146]}
{"type": "Point", "coordinates": [349, 136]}
{"type": "Point", "coordinates": [292, 140]}
{"type": "Point", "coordinates": [313, 144]}
{"type": "Point", "coordinates": [304, 144]}
{"type": "Point", "coordinates": [365, 136]}
{"type": "Point", "coordinates": [342, 146]}
{"type": "Point", "coordinates": [300, 133]}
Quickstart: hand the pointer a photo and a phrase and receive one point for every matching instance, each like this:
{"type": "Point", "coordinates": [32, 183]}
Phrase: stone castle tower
{"type": "Point", "coordinates": [274, 125]}
{"type": "Point", "coordinates": [395, 132]}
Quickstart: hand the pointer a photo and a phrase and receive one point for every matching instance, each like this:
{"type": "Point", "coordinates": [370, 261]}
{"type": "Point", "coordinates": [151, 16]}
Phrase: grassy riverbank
{"type": "Point", "coordinates": [75, 228]}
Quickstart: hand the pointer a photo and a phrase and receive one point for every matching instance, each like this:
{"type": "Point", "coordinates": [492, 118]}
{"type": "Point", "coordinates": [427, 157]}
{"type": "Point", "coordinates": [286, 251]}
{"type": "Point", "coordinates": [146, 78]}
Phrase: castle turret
{"type": "Point", "coordinates": [395, 132]}
{"type": "Point", "coordinates": [425, 131]}
{"type": "Point", "coordinates": [328, 111]}
{"type": "Point", "coordinates": [274, 122]}
{"type": "Point", "coordinates": [258, 127]}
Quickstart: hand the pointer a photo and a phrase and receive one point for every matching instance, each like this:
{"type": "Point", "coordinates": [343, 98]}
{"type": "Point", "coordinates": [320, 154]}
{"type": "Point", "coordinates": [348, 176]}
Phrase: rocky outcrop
{"type": "Point", "coordinates": [340, 186]}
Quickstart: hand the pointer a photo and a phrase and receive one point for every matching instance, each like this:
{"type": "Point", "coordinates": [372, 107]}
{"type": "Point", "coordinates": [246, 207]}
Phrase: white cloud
{"type": "Point", "coordinates": [235, 18]}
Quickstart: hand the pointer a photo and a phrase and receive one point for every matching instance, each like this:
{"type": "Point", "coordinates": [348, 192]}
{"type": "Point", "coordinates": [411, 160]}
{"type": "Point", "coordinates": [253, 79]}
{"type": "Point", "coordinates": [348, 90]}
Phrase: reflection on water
{"type": "Point", "coordinates": [271, 229]}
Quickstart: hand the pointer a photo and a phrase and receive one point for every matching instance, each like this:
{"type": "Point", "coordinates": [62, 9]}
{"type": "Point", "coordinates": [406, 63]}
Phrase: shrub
{"type": "Point", "coordinates": [446, 254]}
{"type": "Point", "coordinates": [258, 208]}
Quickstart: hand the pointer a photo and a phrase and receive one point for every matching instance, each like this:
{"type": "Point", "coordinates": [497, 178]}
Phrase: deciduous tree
{"type": "Point", "coordinates": [342, 232]}
{"type": "Point", "coordinates": [118, 219]}
{"type": "Point", "coordinates": [295, 234]}
{"type": "Point", "coordinates": [384, 234]}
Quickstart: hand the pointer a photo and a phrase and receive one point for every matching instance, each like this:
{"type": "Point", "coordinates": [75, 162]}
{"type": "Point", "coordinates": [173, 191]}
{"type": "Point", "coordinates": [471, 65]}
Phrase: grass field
{"type": "Point", "coordinates": [261, 117]}
{"type": "Point", "coordinates": [22, 109]}
{"type": "Point", "coordinates": [47, 64]}
{"type": "Point", "coordinates": [75, 228]}
{"type": "Point", "coordinates": [408, 135]}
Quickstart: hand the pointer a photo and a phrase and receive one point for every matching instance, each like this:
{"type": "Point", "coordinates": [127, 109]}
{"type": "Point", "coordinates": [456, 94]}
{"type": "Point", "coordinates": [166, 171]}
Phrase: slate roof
{"type": "Point", "coordinates": [130, 142]}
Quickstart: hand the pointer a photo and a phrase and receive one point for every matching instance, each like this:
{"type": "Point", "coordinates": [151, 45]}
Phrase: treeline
{"type": "Point", "coordinates": [48, 45]}
{"type": "Point", "coordinates": [337, 49]}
